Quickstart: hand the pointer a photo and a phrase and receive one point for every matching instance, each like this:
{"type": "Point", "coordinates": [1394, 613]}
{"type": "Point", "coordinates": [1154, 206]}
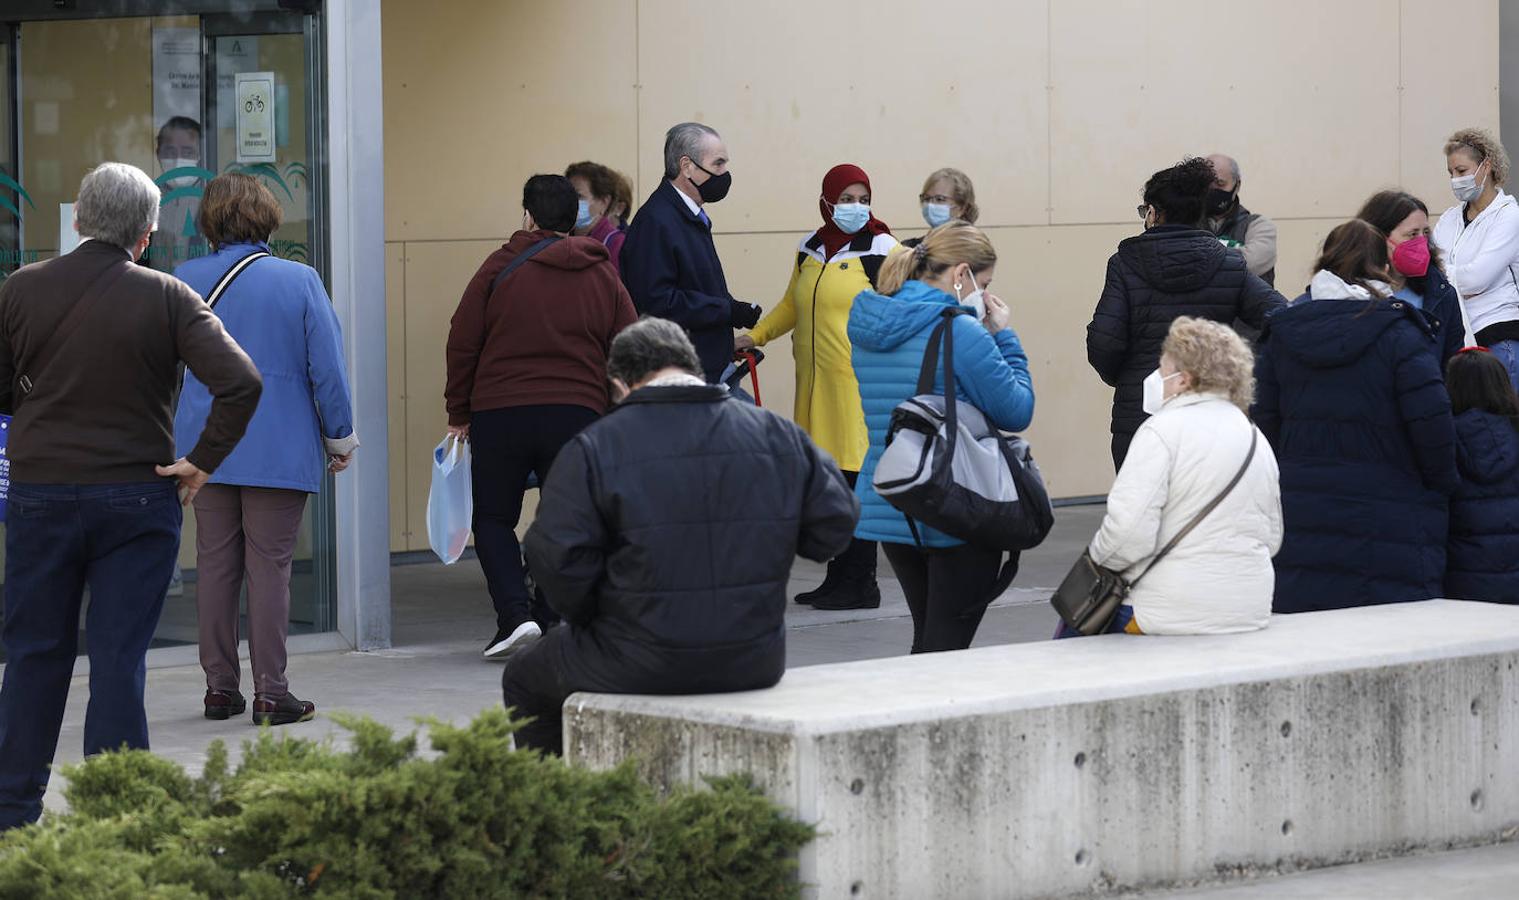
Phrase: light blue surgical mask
{"type": "Point", "coordinates": [583, 217]}
{"type": "Point", "coordinates": [851, 217]}
{"type": "Point", "coordinates": [935, 214]}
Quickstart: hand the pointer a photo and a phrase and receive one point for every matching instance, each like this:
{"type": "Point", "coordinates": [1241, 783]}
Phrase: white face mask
{"type": "Point", "coordinates": [1466, 188]}
{"type": "Point", "coordinates": [975, 300]}
{"type": "Point", "coordinates": [1155, 391]}
{"type": "Point", "coordinates": [173, 163]}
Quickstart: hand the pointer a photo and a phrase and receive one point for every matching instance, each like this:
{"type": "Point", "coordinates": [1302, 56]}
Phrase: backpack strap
{"type": "Point", "coordinates": [231, 275]}
{"type": "Point", "coordinates": [516, 262]}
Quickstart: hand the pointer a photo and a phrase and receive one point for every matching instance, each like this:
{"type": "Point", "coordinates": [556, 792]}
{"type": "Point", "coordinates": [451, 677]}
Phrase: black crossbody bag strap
{"type": "Point", "coordinates": [230, 276]}
{"type": "Point", "coordinates": [1196, 521]}
{"type": "Point", "coordinates": [517, 261]}
{"type": "Point", "coordinates": [32, 372]}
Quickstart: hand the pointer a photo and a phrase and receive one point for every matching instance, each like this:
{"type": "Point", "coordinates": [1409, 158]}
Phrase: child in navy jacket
{"type": "Point", "coordinates": [1483, 558]}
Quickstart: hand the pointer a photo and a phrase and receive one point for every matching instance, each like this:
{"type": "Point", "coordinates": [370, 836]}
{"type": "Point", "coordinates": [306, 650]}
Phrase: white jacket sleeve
{"type": "Point", "coordinates": [1130, 531]}
{"type": "Point", "coordinates": [1488, 265]}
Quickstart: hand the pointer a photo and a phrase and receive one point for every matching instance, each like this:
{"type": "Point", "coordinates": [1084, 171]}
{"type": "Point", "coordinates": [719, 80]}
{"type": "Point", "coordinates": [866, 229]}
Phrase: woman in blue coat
{"type": "Point", "coordinates": [1483, 559]}
{"type": "Point", "coordinates": [1415, 273]}
{"type": "Point", "coordinates": [248, 516]}
{"type": "Point", "coordinates": [1351, 397]}
{"type": "Point", "coordinates": [948, 583]}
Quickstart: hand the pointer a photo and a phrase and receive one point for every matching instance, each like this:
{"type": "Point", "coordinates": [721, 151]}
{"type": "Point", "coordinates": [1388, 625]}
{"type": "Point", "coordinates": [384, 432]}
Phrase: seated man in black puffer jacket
{"type": "Point", "coordinates": [665, 537]}
{"type": "Point", "coordinates": [1175, 268]}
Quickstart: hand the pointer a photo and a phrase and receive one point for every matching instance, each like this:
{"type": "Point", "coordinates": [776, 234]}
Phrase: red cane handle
{"type": "Point", "coordinates": [753, 376]}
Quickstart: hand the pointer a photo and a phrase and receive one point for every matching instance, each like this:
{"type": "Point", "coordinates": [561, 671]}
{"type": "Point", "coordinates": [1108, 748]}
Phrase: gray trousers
{"type": "Point", "coordinates": [245, 532]}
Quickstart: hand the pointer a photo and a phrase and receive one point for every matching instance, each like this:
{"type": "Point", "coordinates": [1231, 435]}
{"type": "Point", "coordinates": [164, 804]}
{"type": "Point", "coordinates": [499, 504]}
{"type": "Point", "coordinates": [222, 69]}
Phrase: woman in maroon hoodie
{"type": "Point", "coordinates": [527, 353]}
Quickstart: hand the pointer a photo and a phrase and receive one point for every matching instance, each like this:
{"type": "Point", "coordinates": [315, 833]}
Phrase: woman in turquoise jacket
{"type": "Point", "coordinates": [948, 583]}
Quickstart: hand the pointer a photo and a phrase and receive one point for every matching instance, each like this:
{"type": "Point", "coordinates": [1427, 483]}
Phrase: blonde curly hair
{"type": "Point", "coordinates": [1482, 145]}
{"type": "Point", "coordinates": [1218, 360]}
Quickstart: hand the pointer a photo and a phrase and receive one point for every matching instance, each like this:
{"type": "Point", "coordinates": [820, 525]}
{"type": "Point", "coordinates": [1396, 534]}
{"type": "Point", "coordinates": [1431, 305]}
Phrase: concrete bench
{"type": "Point", "coordinates": [1114, 762]}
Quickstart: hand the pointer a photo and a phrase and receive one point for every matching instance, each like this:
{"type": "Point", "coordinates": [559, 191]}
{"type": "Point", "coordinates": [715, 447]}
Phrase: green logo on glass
{"type": "Point", "coordinates": [14, 206]}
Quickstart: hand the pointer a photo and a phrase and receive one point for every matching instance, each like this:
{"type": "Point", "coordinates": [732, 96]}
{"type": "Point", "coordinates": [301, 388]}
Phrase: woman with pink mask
{"type": "Point", "coordinates": [1417, 274]}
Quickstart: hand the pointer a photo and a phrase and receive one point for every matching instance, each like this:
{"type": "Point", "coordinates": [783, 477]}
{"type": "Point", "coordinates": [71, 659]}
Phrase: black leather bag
{"type": "Point", "coordinates": [1090, 595]}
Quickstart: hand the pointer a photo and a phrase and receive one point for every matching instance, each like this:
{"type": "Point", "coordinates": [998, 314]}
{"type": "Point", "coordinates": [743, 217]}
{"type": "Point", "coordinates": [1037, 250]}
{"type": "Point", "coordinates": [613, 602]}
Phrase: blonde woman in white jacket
{"type": "Point", "coordinates": [1219, 579]}
{"type": "Point", "coordinates": [1479, 238]}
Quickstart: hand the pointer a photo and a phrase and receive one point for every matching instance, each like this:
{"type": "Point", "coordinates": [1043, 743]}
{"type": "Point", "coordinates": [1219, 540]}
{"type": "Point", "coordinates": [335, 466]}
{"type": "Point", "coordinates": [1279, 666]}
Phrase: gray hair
{"type": "Point", "coordinates": [685, 139]}
{"type": "Point", "coordinates": [117, 204]}
{"type": "Point", "coordinates": [647, 346]}
{"type": "Point", "coordinates": [1233, 166]}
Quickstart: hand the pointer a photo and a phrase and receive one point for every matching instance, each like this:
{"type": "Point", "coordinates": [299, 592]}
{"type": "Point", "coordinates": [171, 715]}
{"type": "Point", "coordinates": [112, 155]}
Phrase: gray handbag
{"type": "Point", "coordinates": [1090, 595]}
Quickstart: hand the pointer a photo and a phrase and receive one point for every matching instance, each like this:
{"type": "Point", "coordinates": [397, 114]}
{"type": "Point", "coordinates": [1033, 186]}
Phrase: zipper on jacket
{"type": "Point", "coordinates": [812, 386]}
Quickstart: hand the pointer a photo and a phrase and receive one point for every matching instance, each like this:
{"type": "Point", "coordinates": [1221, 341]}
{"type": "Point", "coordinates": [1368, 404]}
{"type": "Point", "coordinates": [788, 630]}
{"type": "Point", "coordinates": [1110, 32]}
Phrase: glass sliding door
{"type": "Point", "coordinates": [161, 92]}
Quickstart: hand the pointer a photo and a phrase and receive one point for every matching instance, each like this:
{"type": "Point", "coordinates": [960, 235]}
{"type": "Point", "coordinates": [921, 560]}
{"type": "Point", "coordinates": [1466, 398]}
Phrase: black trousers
{"type": "Point", "coordinates": [1121, 444]}
{"type": "Point", "coordinates": [534, 684]}
{"type": "Point", "coordinates": [507, 445]}
{"type": "Point", "coordinates": [947, 591]}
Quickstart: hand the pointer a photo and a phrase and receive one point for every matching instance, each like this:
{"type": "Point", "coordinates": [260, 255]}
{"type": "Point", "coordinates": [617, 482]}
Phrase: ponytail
{"type": "Point", "coordinates": [942, 248]}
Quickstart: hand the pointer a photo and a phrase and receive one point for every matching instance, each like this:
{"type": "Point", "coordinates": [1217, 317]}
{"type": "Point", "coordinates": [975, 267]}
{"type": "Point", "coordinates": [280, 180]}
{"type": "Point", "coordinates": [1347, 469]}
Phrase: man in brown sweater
{"type": "Point", "coordinates": [90, 346]}
{"type": "Point", "coordinates": [527, 370]}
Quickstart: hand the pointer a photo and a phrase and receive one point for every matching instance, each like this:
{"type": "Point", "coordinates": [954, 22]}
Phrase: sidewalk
{"type": "Point", "coordinates": [443, 618]}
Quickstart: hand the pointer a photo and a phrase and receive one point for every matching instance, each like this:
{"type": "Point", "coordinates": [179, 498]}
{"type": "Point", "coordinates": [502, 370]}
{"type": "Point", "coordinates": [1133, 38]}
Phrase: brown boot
{"type": "Point", "coordinates": [285, 710]}
{"type": "Point", "coordinates": [224, 704]}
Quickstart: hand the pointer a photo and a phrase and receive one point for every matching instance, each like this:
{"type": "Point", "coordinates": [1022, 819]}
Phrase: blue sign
{"type": "Point", "coordinates": [5, 464]}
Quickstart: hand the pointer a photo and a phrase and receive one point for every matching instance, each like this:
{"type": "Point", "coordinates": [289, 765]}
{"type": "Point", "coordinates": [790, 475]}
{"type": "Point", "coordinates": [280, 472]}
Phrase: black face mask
{"type": "Point", "coordinates": [1219, 200]}
{"type": "Point", "coordinates": [714, 188]}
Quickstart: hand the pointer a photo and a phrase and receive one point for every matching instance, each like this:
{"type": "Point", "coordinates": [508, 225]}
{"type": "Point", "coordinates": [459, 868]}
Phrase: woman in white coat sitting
{"type": "Point", "coordinates": [1219, 579]}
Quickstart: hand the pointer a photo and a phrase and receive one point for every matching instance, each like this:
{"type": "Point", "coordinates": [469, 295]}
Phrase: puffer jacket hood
{"type": "Point", "coordinates": [881, 323]}
{"type": "Point", "coordinates": [1335, 333]}
{"type": "Point", "coordinates": [1488, 447]}
{"type": "Point", "coordinates": [571, 254]}
{"type": "Point", "coordinates": [1174, 258]}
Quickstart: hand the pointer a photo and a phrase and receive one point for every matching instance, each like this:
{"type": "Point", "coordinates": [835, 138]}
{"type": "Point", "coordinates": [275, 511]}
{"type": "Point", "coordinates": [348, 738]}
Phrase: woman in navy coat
{"type": "Point", "coordinates": [1484, 513]}
{"type": "Point", "coordinates": [1352, 400]}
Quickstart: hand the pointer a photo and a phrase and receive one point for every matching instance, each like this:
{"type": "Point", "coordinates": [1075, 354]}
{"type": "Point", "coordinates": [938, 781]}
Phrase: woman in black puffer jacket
{"type": "Point", "coordinates": [1175, 268]}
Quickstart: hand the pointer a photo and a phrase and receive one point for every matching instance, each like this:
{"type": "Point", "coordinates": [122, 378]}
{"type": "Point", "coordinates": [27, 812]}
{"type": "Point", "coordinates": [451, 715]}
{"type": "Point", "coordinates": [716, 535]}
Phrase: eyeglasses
{"type": "Point", "coordinates": [934, 198]}
{"type": "Point", "coordinates": [1142, 209]}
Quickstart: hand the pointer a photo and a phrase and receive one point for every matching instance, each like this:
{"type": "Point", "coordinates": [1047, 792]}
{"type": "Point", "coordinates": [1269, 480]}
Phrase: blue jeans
{"type": "Point", "coordinates": [119, 539]}
{"type": "Point", "coordinates": [1508, 353]}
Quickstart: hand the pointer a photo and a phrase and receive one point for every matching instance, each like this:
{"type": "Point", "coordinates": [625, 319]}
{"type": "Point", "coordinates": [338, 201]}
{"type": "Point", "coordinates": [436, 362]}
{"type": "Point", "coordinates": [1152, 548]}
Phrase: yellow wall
{"type": "Point", "coordinates": [1058, 110]}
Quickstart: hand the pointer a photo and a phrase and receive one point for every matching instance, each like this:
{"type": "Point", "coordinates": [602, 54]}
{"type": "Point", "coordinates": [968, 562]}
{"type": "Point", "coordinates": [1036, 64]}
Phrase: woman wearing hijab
{"type": "Point", "coordinates": [833, 264]}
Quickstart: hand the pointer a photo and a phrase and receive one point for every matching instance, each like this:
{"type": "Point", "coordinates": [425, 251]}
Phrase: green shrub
{"type": "Point", "coordinates": [476, 819]}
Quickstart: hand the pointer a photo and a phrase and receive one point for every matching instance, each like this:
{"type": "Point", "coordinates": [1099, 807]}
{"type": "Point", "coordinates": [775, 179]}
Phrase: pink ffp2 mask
{"type": "Point", "coordinates": [1411, 257]}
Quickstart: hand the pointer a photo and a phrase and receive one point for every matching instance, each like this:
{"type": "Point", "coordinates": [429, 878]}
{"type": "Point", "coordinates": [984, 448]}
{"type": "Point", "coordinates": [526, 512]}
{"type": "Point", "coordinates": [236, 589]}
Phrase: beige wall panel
{"type": "Point", "coordinates": [797, 87]}
{"type": "Point", "coordinates": [436, 273]}
{"type": "Point", "coordinates": [1051, 278]}
{"type": "Point", "coordinates": [1140, 84]}
{"type": "Point", "coordinates": [1298, 242]}
{"type": "Point", "coordinates": [480, 94]}
{"type": "Point", "coordinates": [395, 390]}
{"type": "Point", "coordinates": [1438, 100]}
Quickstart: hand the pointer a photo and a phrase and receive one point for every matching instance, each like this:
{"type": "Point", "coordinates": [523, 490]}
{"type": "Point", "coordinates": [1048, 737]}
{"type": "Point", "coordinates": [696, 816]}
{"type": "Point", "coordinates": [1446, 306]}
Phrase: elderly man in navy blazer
{"type": "Point", "coordinates": [669, 262]}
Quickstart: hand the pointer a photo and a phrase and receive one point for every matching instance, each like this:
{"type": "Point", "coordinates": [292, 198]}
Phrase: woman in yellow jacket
{"type": "Point", "coordinates": [833, 264]}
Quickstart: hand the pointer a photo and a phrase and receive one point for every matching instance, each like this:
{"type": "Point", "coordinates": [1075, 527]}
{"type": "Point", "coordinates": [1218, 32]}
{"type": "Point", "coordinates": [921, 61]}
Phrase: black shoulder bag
{"type": "Point", "coordinates": [1090, 595]}
{"type": "Point", "coordinates": [517, 261]}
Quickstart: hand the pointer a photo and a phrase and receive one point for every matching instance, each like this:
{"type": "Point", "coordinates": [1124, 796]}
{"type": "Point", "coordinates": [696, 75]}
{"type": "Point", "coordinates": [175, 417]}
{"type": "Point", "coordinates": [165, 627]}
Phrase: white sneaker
{"type": "Point", "coordinates": [503, 644]}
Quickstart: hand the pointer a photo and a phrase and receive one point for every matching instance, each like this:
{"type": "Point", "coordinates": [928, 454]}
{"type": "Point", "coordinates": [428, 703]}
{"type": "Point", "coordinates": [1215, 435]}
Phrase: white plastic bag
{"type": "Point", "coordinates": [450, 504]}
